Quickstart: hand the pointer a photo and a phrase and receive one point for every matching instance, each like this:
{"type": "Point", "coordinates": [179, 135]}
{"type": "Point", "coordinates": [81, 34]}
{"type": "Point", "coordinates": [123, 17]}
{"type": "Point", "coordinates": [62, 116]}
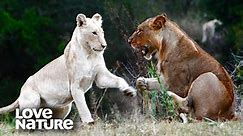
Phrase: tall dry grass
{"type": "Point", "coordinates": [146, 127]}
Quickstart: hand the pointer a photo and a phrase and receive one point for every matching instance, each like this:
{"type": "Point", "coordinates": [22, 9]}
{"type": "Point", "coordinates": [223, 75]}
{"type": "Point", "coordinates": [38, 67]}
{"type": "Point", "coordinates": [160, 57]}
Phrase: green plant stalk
{"type": "Point", "coordinates": [154, 97]}
{"type": "Point", "coordinates": [164, 99]}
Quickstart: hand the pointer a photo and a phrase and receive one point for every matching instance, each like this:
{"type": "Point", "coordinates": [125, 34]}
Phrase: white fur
{"type": "Point", "coordinates": [208, 29]}
{"type": "Point", "coordinates": [67, 78]}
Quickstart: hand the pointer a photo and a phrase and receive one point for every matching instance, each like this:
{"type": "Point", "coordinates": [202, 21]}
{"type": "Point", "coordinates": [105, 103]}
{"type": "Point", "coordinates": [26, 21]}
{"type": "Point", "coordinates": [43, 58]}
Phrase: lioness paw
{"type": "Point", "coordinates": [141, 84]}
{"type": "Point", "coordinates": [130, 91]}
{"type": "Point", "coordinates": [170, 93]}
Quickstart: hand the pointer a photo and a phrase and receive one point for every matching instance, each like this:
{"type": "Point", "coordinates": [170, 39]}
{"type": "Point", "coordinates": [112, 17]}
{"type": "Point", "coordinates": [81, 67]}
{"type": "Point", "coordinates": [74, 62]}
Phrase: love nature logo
{"type": "Point", "coordinates": [32, 119]}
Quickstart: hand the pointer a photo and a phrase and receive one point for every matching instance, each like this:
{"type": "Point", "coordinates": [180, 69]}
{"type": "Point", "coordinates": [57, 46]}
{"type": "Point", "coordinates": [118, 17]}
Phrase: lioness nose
{"type": "Point", "coordinates": [103, 46]}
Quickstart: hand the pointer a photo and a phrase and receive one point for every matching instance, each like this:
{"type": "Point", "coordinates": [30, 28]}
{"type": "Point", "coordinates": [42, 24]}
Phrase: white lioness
{"type": "Point", "coordinates": [67, 78]}
{"type": "Point", "coordinates": [208, 29]}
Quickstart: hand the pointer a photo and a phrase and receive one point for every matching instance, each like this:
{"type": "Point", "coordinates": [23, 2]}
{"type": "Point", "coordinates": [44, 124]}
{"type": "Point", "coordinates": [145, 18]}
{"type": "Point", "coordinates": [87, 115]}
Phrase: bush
{"type": "Point", "coordinates": [158, 103]}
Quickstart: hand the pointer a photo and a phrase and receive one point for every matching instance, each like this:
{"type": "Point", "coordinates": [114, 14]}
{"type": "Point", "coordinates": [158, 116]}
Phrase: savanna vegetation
{"type": "Point", "coordinates": [33, 32]}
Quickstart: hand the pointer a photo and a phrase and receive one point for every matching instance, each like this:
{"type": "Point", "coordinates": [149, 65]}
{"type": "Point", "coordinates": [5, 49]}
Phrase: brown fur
{"type": "Point", "coordinates": [182, 63]}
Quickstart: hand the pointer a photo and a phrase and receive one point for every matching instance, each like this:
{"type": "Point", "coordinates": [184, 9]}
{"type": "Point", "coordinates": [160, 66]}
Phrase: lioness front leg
{"type": "Point", "coordinates": [105, 79]}
{"type": "Point", "coordinates": [148, 83]}
{"type": "Point", "coordinates": [79, 100]}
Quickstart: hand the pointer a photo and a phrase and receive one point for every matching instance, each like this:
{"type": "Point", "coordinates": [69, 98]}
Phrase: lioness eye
{"type": "Point", "coordinates": [94, 33]}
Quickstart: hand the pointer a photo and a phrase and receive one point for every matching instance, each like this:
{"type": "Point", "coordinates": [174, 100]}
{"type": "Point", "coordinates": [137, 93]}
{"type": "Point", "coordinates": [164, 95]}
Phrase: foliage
{"type": "Point", "coordinates": [163, 105]}
{"type": "Point", "coordinates": [7, 119]}
{"type": "Point", "coordinates": [237, 74]}
{"type": "Point", "coordinates": [27, 42]}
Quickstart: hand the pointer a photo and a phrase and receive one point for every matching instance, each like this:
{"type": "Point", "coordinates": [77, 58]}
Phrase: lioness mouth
{"type": "Point", "coordinates": [97, 49]}
{"type": "Point", "coordinates": [144, 50]}
{"type": "Point", "coordinates": [147, 51]}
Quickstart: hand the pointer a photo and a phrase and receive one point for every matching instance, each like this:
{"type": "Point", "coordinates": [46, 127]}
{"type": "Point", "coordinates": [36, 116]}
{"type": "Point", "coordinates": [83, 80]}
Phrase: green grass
{"type": "Point", "coordinates": [162, 105]}
{"type": "Point", "coordinates": [7, 118]}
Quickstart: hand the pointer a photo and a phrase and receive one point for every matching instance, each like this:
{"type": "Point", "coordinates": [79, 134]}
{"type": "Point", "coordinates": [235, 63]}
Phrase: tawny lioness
{"type": "Point", "coordinates": [196, 81]}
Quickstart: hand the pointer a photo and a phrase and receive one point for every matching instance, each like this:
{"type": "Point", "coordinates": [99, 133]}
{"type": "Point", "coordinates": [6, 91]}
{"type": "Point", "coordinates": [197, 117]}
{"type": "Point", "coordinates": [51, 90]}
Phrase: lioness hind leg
{"type": "Point", "coordinates": [209, 97]}
{"type": "Point", "coordinates": [61, 113]}
{"type": "Point", "coordinates": [29, 99]}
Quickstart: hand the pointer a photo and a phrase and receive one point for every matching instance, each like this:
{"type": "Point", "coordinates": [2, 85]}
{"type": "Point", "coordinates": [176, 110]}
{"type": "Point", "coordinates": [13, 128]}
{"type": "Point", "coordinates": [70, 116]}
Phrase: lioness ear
{"type": "Point", "coordinates": [158, 22]}
{"type": "Point", "coordinates": [97, 17]}
{"type": "Point", "coordinates": [81, 20]}
{"type": "Point", "coordinates": [164, 14]}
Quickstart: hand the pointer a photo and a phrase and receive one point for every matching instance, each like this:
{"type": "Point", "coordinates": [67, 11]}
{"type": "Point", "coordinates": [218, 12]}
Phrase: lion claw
{"type": "Point", "coordinates": [130, 91]}
{"type": "Point", "coordinates": [141, 83]}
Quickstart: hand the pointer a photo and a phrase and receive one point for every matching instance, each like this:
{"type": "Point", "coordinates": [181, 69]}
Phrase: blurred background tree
{"type": "Point", "coordinates": [34, 32]}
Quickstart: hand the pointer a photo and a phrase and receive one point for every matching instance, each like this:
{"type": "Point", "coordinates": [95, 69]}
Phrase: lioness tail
{"type": "Point", "coordinates": [10, 107]}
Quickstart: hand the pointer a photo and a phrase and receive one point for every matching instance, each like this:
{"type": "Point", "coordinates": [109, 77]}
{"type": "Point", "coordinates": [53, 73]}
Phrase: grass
{"type": "Point", "coordinates": [141, 125]}
{"type": "Point", "coordinates": [144, 127]}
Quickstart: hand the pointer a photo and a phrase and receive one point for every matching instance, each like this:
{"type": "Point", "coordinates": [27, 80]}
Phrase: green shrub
{"type": "Point", "coordinates": [7, 119]}
{"type": "Point", "coordinates": [162, 105]}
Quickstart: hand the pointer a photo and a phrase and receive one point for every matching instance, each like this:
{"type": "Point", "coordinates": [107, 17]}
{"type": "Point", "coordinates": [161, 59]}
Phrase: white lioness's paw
{"type": "Point", "coordinates": [87, 120]}
{"type": "Point", "coordinates": [141, 83]}
{"type": "Point", "coordinates": [130, 91]}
